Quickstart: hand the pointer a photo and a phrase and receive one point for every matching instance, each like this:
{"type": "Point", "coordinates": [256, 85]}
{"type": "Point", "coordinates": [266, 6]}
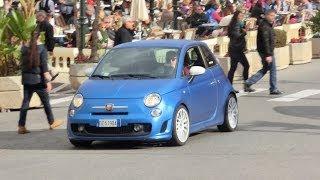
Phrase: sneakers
{"type": "Point", "coordinates": [23, 130]}
{"type": "Point", "coordinates": [55, 124]}
{"type": "Point", "coordinates": [247, 88]}
{"type": "Point", "coordinates": [276, 92]}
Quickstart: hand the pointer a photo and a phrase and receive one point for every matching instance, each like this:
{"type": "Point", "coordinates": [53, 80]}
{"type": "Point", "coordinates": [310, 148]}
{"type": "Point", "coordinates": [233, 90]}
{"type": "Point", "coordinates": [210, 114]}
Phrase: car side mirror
{"type": "Point", "coordinates": [197, 70]}
{"type": "Point", "coordinates": [89, 71]}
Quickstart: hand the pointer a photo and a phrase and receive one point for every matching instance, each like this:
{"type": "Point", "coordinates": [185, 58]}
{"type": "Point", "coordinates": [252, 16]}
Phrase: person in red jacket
{"type": "Point", "coordinates": [216, 14]}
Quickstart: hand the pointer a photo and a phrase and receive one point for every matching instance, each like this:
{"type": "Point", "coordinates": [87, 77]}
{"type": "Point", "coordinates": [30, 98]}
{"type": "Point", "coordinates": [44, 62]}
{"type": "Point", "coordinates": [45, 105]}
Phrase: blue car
{"type": "Point", "coordinates": [161, 90]}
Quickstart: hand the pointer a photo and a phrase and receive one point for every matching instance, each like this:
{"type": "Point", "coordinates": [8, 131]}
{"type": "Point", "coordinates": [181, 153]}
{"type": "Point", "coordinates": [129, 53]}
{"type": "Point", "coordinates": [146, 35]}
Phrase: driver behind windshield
{"type": "Point", "coordinates": [171, 59]}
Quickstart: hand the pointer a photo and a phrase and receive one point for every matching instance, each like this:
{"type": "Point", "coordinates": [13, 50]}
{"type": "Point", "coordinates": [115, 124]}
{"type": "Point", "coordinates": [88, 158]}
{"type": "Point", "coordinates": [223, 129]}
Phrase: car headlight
{"type": "Point", "coordinates": [152, 100]}
{"type": "Point", "coordinates": [77, 100]}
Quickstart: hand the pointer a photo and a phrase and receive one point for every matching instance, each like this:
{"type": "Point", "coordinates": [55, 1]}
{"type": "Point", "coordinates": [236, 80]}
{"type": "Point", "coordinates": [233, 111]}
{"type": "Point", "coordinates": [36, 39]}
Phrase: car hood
{"type": "Point", "coordinates": [128, 89]}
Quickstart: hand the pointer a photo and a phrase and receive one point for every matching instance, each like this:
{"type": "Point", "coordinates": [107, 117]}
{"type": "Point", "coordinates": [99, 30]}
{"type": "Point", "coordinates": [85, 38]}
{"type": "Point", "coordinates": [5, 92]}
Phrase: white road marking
{"type": "Point", "coordinates": [61, 100]}
{"type": "Point", "coordinates": [242, 93]}
{"type": "Point", "coordinates": [296, 96]}
{"type": "Point", "coordinates": [59, 88]}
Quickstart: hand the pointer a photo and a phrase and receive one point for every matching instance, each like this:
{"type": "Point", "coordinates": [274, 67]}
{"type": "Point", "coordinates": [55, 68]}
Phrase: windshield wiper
{"type": "Point", "coordinates": [134, 76]}
{"type": "Point", "coordinates": [101, 76]}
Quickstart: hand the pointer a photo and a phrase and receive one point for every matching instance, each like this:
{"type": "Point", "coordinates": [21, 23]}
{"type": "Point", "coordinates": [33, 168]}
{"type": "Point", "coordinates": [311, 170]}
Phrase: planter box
{"type": "Point", "coordinates": [11, 93]}
{"type": "Point", "coordinates": [316, 47]}
{"type": "Point", "coordinates": [251, 40]}
{"type": "Point", "coordinates": [77, 74]}
{"type": "Point", "coordinates": [211, 43]}
{"type": "Point", "coordinates": [254, 61]}
{"type": "Point", "coordinates": [282, 56]}
{"type": "Point", "coordinates": [292, 30]}
{"type": "Point", "coordinates": [279, 27]}
{"type": "Point", "coordinates": [300, 53]}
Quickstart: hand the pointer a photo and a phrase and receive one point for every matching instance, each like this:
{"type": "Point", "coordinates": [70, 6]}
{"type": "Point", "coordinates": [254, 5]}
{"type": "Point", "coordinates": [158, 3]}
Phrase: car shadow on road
{"type": "Point", "coordinates": [58, 140]}
{"type": "Point", "coordinates": [43, 139]}
{"type": "Point", "coordinates": [311, 112]}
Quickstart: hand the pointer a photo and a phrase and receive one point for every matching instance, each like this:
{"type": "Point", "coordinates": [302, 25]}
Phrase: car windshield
{"type": "Point", "coordinates": [146, 62]}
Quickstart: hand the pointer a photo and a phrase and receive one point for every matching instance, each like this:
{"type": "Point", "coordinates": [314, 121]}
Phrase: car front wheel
{"type": "Point", "coordinates": [181, 127]}
{"type": "Point", "coordinates": [231, 117]}
{"type": "Point", "coordinates": [79, 143]}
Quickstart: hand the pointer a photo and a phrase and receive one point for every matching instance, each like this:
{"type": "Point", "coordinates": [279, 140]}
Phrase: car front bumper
{"type": "Point", "coordinates": [157, 131]}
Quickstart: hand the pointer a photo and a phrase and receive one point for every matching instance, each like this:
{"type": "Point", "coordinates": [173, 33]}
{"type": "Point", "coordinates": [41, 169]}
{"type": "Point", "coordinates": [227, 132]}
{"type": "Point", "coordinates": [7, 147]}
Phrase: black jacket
{"type": "Point", "coordinates": [265, 38]}
{"type": "Point", "coordinates": [47, 28]}
{"type": "Point", "coordinates": [111, 34]}
{"type": "Point", "coordinates": [196, 19]}
{"type": "Point", "coordinates": [34, 75]}
{"type": "Point", "coordinates": [257, 12]}
{"type": "Point", "coordinates": [237, 39]}
{"type": "Point", "coordinates": [123, 35]}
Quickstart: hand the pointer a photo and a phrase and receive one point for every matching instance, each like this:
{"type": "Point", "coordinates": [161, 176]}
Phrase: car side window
{"type": "Point", "coordinates": [194, 57]}
{"type": "Point", "coordinates": [208, 56]}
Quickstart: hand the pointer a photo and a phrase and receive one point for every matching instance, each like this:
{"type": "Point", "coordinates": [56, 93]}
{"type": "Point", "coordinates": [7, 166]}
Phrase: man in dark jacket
{"type": "Point", "coordinates": [46, 27]}
{"type": "Point", "coordinates": [198, 18]}
{"type": "Point", "coordinates": [126, 32]}
{"type": "Point", "coordinates": [265, 47]}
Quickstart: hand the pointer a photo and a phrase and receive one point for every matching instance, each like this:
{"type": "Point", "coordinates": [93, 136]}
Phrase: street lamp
{"type": "Point", "coordinates": [81, 29]}
{"type": "Point", "coordinates": [175, 14]}
{"type": "Point", "coordinates": [151, 10]}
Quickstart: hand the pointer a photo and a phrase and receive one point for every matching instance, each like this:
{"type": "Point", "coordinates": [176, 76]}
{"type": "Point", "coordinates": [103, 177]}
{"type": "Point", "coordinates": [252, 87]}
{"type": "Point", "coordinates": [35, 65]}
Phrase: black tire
{"type": "Point", "coordinates": [79, 143]}
{"type": "Point", "coordinates": [227, 126]}
{"type": "Point", "coordinates": [175, 140]}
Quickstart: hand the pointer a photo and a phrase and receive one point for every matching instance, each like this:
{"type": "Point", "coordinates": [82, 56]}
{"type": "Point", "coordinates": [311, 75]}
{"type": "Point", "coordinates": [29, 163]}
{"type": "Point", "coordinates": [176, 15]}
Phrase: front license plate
{"type": "Point", "coordinates": [108, 123]}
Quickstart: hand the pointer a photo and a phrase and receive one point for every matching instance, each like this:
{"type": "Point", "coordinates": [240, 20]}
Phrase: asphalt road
{"type": "Point", "coordinates": [277, 139]}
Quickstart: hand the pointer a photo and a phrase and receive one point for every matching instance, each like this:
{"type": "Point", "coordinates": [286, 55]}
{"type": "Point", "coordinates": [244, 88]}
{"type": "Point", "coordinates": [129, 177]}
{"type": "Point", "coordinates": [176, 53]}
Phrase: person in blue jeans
{"type": "Point", "coordinates": [265, 47]}
{"type": "Point", "coordinates": [35, 79]}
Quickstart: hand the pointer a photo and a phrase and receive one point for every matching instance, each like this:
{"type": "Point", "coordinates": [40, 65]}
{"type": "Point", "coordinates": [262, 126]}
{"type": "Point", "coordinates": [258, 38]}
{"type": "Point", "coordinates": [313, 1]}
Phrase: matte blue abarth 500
{"type": "Point", "coordinates": [161, 90]}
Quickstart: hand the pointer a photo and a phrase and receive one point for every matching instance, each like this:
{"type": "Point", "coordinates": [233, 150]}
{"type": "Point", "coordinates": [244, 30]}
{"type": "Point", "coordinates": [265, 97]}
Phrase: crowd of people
{"type": "Point", "coordinates": [205, 16]}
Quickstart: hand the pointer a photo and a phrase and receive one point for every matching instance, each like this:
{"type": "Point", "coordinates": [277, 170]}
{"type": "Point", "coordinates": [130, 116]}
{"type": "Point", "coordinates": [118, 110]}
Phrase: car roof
{"type": "Point", "coordinates": [160, 43]}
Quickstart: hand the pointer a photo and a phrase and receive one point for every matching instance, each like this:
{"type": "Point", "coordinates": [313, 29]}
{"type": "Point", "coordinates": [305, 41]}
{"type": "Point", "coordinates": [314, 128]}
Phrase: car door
{"type": "Point", "coordinates": [218, 74]}
{"type": "Point", "coordinates": [201, 89]}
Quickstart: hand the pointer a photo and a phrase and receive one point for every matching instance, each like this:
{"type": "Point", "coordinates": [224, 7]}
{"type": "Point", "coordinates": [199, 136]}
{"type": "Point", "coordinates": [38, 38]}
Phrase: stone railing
{"type": "Point", "coordinates": [64, 57]}
{"type": "Point", "coordinates": [223, 43]}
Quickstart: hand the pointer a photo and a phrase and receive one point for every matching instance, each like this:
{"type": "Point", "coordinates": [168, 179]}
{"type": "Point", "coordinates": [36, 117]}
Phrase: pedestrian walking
{"type": "Point", "coordinates": [44, 26]}
{"type": "Point", "coordinates": [265, 47]}
{"type": "Point", "coordinates": [126, 32]}
{"type": "Point", "coordinates": [35, 79]}
{"type": "Point", "coordinates": [237, 45]}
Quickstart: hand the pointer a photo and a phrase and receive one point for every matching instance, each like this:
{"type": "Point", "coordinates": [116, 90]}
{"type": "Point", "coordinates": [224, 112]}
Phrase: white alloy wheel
{"type": "Point", "coordinates": [181, 128]}
{"type": "Point", "coordinates": [231, 116]}
{"type": "Point", "coordinates": [233, 113]}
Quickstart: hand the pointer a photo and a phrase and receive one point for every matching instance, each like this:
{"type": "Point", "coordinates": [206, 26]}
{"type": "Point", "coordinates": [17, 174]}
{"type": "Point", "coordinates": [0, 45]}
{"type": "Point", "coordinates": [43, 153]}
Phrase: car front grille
{"type": "Point", "coordinates": [127, 130]}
